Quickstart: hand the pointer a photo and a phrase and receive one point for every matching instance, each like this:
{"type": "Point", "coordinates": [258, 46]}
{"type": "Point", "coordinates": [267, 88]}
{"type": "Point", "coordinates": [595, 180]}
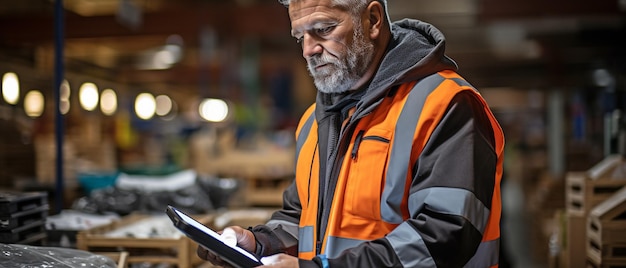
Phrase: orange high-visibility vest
{"type": "Point", "coordinates": [382, 150]}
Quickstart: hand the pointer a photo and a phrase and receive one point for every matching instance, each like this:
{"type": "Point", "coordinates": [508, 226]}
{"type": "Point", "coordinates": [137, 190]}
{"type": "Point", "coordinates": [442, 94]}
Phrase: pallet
{"type": "Point", "coordinates": [179, 251]}
{"type": "Point", "coordinates": [32, 233]}
{"type": "Point", "coordinates": [22, 218]}
{"type": "Point", "coordinates": [13, 202]}
{"type": "Point", "coordinates": [606, 231]}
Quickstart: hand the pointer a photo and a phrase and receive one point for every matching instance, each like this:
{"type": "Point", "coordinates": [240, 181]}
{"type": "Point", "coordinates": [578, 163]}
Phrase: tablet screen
{"type": "Point", "coordinates": [210, 232]}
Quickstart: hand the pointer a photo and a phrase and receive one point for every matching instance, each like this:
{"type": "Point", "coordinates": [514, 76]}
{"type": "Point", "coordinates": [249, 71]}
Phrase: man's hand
{"type": "Point", "coordinates": [279, 261]}
{"type": "Point", "coordinates": [232, 235]}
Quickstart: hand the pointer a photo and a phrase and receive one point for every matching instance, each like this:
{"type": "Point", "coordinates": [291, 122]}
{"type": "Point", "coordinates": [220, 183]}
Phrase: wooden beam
{"type": "Point", "coordinates": [265, 20]}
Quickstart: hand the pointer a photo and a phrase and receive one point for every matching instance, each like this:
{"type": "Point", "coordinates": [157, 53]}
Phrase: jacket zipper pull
{"type": "Point", "coordinates": [357, 142]}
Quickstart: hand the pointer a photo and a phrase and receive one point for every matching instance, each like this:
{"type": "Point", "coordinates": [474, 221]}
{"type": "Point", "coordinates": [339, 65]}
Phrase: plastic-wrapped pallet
{"type": "Point", "coordinates": [15, 255]}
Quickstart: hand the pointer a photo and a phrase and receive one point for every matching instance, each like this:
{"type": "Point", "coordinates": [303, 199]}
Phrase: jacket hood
{"type": "Point", "coordinates": [416, 50]}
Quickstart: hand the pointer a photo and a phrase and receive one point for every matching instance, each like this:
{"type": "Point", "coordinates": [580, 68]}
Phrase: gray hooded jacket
{"type": "Point", "coordinates": [416, 50]}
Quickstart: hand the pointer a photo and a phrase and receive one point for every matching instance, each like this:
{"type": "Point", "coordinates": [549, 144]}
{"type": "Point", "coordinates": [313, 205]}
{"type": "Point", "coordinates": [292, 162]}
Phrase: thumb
{"type": "Point", "coordinates": [229, 237]}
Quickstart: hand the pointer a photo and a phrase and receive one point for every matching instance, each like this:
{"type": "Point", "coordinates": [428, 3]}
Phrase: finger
{"type": "Point", "coordinates": [270, 259]}
{"type": "Point", "coordinates": [229, 237]}
{"type": "Point", "coordinates": [245, 239]}
{"type": "Point", "coordinates": [202, 252]}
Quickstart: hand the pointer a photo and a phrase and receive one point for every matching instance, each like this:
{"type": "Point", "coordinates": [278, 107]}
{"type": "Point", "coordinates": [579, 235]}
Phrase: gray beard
{"type": "Point", "coordinates": [340, 75]}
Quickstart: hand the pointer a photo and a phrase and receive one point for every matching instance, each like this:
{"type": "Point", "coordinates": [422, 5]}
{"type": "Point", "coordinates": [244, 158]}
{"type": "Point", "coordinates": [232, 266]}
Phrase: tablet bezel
{"type": "Point", "coordinates": [236, 256]}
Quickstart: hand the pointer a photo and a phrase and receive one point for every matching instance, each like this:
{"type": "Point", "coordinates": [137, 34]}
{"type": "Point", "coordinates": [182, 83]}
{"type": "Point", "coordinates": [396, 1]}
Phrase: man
{"type": "Point", "coordinates": [398, 162]}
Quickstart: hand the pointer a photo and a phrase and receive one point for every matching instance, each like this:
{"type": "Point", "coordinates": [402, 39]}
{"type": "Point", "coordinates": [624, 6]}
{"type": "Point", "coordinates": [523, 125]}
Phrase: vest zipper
{"type": "Point", "coordinates": [357, 142]}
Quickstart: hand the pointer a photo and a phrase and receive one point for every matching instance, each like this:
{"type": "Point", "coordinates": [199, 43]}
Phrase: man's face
{"type": "Point", "coordinates": [333, 44]}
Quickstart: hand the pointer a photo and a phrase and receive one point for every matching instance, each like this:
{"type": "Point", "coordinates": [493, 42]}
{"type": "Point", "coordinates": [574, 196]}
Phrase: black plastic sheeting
{"type": "Point", "coordinates": [206, 195]}
{"type": "Point", "coordinates": [24, 256]}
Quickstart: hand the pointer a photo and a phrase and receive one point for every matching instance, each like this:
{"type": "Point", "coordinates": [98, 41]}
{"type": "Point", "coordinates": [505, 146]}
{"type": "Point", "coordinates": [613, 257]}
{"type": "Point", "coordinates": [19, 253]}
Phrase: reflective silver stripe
{"type": "Point", "coordinates": [305, 239]}
{"type": "Point", "coordinates": [454, 201]}
{"type": "Point", "coordinates": [487, 255]}
{"type": "Point", "coordinates": [461, 82]}
{"type": "Point", "coordinates": [289, 227]}
{"type": "Point", "coordinates": [335, 245]}
{"type": "Point", "coordinates": [410, 247]}
{"type": "Point", "coordinates": [304, 132]}
{"type": "Point", "coordinates": [401, 150]}
{"type": "Point", "coordinates": [305, 234]}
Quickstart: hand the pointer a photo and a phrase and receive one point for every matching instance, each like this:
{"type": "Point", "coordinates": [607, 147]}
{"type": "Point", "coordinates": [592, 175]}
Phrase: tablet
{"type": "Point", "coordinates": [203, 235]}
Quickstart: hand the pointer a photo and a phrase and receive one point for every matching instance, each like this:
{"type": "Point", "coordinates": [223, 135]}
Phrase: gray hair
{"type": "Point", "coordinates": [356, 6]}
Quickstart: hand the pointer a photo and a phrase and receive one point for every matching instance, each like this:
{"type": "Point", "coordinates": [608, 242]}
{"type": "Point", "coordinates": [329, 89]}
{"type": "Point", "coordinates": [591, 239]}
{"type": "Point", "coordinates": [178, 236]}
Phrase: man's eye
{"type": "Point", "coordinates": [300, 39]}
{"type": "Point", "coordinates": [325, 30]}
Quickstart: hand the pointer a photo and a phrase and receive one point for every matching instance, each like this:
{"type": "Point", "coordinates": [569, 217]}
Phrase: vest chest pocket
{"type": "Point", "coordinates": [366, 178]}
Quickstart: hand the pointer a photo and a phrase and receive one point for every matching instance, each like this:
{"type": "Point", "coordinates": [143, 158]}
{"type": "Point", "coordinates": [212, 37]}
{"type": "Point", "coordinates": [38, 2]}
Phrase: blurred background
{"type": "Point", "coordinates": [153, 88]}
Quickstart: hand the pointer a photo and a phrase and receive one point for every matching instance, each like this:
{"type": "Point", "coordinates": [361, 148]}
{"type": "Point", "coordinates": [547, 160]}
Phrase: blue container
{"type": "Point", "coordinates": [94, 181]}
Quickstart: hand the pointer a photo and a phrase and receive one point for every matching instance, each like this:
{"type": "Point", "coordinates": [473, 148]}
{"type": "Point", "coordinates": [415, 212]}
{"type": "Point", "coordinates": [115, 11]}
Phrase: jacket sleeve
{"type": "Point", "coordinates": [449, 197]}
{"type": "Point", "coordinates": [280, 233]}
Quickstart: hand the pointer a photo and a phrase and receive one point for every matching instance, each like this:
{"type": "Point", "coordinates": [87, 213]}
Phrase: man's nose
{"type": "Point", "coordinates": [310, 46]}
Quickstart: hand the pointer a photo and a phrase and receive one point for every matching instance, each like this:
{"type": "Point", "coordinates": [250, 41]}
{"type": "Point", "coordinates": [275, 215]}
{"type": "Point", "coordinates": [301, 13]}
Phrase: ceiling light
{"type": "Point", "coordinates": [603, 78]}
{"type": "Point", "coordinates": [10, 88]}
{"type": "Point", "coordinates": [213, 110]}
{"type": "Point", "coordinates": [65, 90]}
{"type": "Point", "coordinates": [64, 94]}
{"type": "Point", "coordinates": [145, 106]}
{"type": "Point", "coordinates": [34, 103]}
{"type": "Point", "coordinates": [88, 96]}
{"type": "Point", "coordinates": [64, 106]}
{"type": "Point", "coordinates": [163, 105]}
{"type": "Point", "coordinates": [108, 102]}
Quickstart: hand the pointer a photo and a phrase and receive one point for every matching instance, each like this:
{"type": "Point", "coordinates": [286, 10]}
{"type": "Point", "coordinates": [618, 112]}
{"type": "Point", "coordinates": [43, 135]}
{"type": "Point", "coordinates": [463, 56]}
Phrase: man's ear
{"type": "Point", "coordinates": [375, 17]}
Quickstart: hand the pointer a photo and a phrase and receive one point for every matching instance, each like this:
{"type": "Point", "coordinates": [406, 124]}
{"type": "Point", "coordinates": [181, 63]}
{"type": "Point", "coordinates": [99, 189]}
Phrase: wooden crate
{"type": "Point", "coordinates": [605, 264]}
{"type": "Point", "coordinates": [179, 251]}
{"type": "Point", "coordinates": [266, 171]}
{"type": "Point", "coordinates": [590, 264]}
{"type": "Point", "coordinates": [245, 217]}
{"type": "Point", "coordinates": [120, 258]}
{"type": "Point", "coordinates": [263, 191]}
{"type": "Point", "coordinates": [606, 232]}
{"type": "Point", "coordinates": [584, 190]}
{"type": "Point", "coordinates": [575, 250]}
